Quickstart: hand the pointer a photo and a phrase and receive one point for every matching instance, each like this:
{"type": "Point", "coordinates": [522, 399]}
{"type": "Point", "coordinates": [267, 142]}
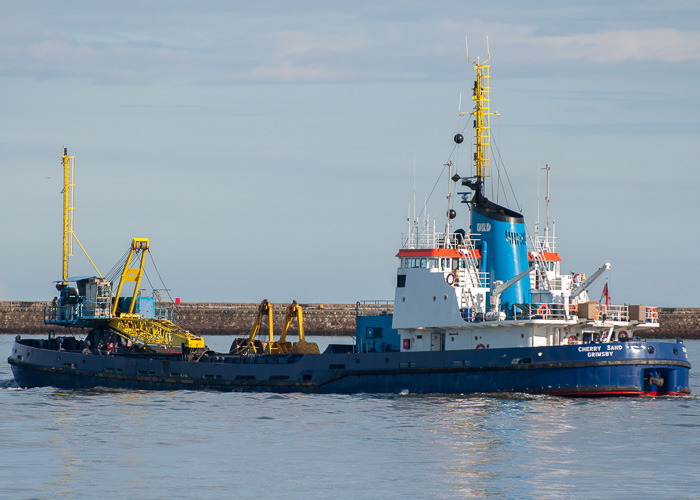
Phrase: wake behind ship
{"type": "Point", "coordinates": [480, 308]}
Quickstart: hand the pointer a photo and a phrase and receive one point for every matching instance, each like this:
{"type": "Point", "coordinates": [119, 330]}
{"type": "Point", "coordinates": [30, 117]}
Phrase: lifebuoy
{"type": "Point", "coordinates": [480, 346]}
{"type": "Point", "coordinates": [577, 278]}
{"type": "Point", "coordinates": [543, 310]}
{"type": "Point", "coordinates": [573, 340]}
{"type": "Point", "coordinates": [622, 335]}
{"type": "Point", "coordinates": [450, 279]}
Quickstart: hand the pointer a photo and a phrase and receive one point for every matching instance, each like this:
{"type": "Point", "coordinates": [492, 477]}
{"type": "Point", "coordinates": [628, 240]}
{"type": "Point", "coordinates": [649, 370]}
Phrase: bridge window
{"type": "Point", "coordinates": [415, 262]}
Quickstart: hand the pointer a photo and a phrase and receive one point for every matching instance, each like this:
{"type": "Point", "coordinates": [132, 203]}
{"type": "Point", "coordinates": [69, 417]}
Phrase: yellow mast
{"type": "Point", "coordinates": [482, 117]}
{"type": "Point", "coordinates": [68, 207]}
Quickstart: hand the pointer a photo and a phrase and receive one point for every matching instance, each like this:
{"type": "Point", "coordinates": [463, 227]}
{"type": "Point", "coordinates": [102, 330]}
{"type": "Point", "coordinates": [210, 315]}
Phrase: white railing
{"type": "Point", "coordinates": [557, 311]}
{"type": "Point", "coordinates": [540, 310]}
{"type": "Point", "coordinates": [434, 240]}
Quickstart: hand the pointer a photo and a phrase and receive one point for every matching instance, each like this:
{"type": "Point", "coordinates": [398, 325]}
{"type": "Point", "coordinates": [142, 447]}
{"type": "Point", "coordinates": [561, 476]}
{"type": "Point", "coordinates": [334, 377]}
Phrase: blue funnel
{"type": "Point", "coordinates": [504, 247]}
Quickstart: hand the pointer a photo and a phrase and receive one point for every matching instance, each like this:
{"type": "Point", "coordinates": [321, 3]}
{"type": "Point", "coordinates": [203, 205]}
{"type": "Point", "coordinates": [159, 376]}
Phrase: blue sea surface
{"type": "Point", "coordinates": [184, 444]}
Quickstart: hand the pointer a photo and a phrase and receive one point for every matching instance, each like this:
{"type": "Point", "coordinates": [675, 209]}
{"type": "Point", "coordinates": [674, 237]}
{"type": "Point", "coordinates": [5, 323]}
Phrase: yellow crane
{"type": "Point", "coordinates": [97, 306]}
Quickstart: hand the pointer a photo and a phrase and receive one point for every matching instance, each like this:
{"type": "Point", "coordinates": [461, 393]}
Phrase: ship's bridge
{"type": "Point", "coordinates": [439, 280]}
{"type": "Point", "coordinates": [436, 258]}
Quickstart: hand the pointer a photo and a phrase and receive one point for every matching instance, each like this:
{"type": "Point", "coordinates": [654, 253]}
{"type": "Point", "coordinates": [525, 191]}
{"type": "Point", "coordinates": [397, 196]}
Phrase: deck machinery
{"type": "Point", "coordinates": [251, 345]}
{"type": "Point", "coordinates": [128, 322]}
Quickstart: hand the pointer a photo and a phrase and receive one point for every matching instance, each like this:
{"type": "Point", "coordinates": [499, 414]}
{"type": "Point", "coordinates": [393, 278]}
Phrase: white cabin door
{"type": "Point", "coordinates": [437, 341]}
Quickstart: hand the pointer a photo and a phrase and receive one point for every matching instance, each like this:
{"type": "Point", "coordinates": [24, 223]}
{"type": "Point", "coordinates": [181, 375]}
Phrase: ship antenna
{"type": "Point", "coordinates": [546, 199]}
{"type": "Point", "coordinates": [415, 221]}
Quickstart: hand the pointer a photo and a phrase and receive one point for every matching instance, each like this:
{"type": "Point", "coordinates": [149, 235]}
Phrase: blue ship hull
{"type": "Point", "coordinates": [619, 368]}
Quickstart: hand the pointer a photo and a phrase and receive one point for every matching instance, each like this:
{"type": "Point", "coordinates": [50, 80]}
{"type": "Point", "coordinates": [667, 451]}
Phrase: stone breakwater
{"type": "Point", "coordinates": [202, 318]}
{"type": "Point", "coordinates": [218, 318]}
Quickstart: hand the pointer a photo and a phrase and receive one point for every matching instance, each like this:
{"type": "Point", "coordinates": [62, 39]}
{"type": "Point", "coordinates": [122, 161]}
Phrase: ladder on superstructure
{"type": "Point", "coordinates": [467, 249]}
{"type": "Point", "coordinates": [541, 269]}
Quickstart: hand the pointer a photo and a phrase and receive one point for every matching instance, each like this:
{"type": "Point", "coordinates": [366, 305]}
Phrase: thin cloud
{"type": "Point", "coordinates": [649, 45]}
{"type": "Point", "coordinates": [313, 44]}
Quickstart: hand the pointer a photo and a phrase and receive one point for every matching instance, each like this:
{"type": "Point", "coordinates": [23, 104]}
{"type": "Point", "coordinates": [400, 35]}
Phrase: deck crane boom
{"type": "Point", "coordinates": [583, 286]}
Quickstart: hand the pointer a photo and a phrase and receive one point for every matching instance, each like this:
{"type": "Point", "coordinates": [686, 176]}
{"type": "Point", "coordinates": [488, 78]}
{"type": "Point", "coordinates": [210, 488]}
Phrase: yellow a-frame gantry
{"type": "Point", "coordinates": [138, 246]}
{"type": "Point", "coordinates": [146, 331]}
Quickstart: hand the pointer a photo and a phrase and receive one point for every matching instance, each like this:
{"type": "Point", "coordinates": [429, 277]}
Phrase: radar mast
{"type": "Point", "coordinates": [482, 124]}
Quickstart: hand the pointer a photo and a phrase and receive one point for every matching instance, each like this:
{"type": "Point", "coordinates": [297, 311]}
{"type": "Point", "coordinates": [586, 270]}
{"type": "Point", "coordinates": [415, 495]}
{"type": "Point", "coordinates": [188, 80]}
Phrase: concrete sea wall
{"type": "Point", "coordinates": [218, 318]}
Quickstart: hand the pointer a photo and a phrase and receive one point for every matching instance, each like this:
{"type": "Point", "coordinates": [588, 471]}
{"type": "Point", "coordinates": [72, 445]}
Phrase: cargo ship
{"type": "Point", "coordinates": [483, 308]}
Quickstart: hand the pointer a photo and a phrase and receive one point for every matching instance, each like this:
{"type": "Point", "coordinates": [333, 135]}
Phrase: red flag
{"type": "Point", "coordinates": [607, 295]}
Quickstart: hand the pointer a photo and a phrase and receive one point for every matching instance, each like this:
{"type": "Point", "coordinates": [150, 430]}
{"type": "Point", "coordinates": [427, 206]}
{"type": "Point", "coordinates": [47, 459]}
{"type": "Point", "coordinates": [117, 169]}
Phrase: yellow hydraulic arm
{"type": "Point", "coordinates": [250, 344]}
{"type": "Point", "coordinates": [265, 308]}
{"type": "Point", "coordinates": [301, 347]}
{"type": "Point", "coordinates": [293, 310]}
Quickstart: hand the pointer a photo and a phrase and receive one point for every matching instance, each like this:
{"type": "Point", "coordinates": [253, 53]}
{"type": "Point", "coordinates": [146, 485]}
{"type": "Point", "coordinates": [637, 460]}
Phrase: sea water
{"type": "Point", "coordinates": [185, 444]}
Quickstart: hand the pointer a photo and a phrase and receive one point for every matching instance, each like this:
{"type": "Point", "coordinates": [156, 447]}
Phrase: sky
{"type": "Point", "coordinates": [275, 149]}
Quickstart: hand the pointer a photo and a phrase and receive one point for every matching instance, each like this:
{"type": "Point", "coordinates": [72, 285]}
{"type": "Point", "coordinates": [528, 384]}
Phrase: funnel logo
{"type": "Point", "coordinates": [515, 238]}
{"type": "Point", "coordinates": [483, 227]}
